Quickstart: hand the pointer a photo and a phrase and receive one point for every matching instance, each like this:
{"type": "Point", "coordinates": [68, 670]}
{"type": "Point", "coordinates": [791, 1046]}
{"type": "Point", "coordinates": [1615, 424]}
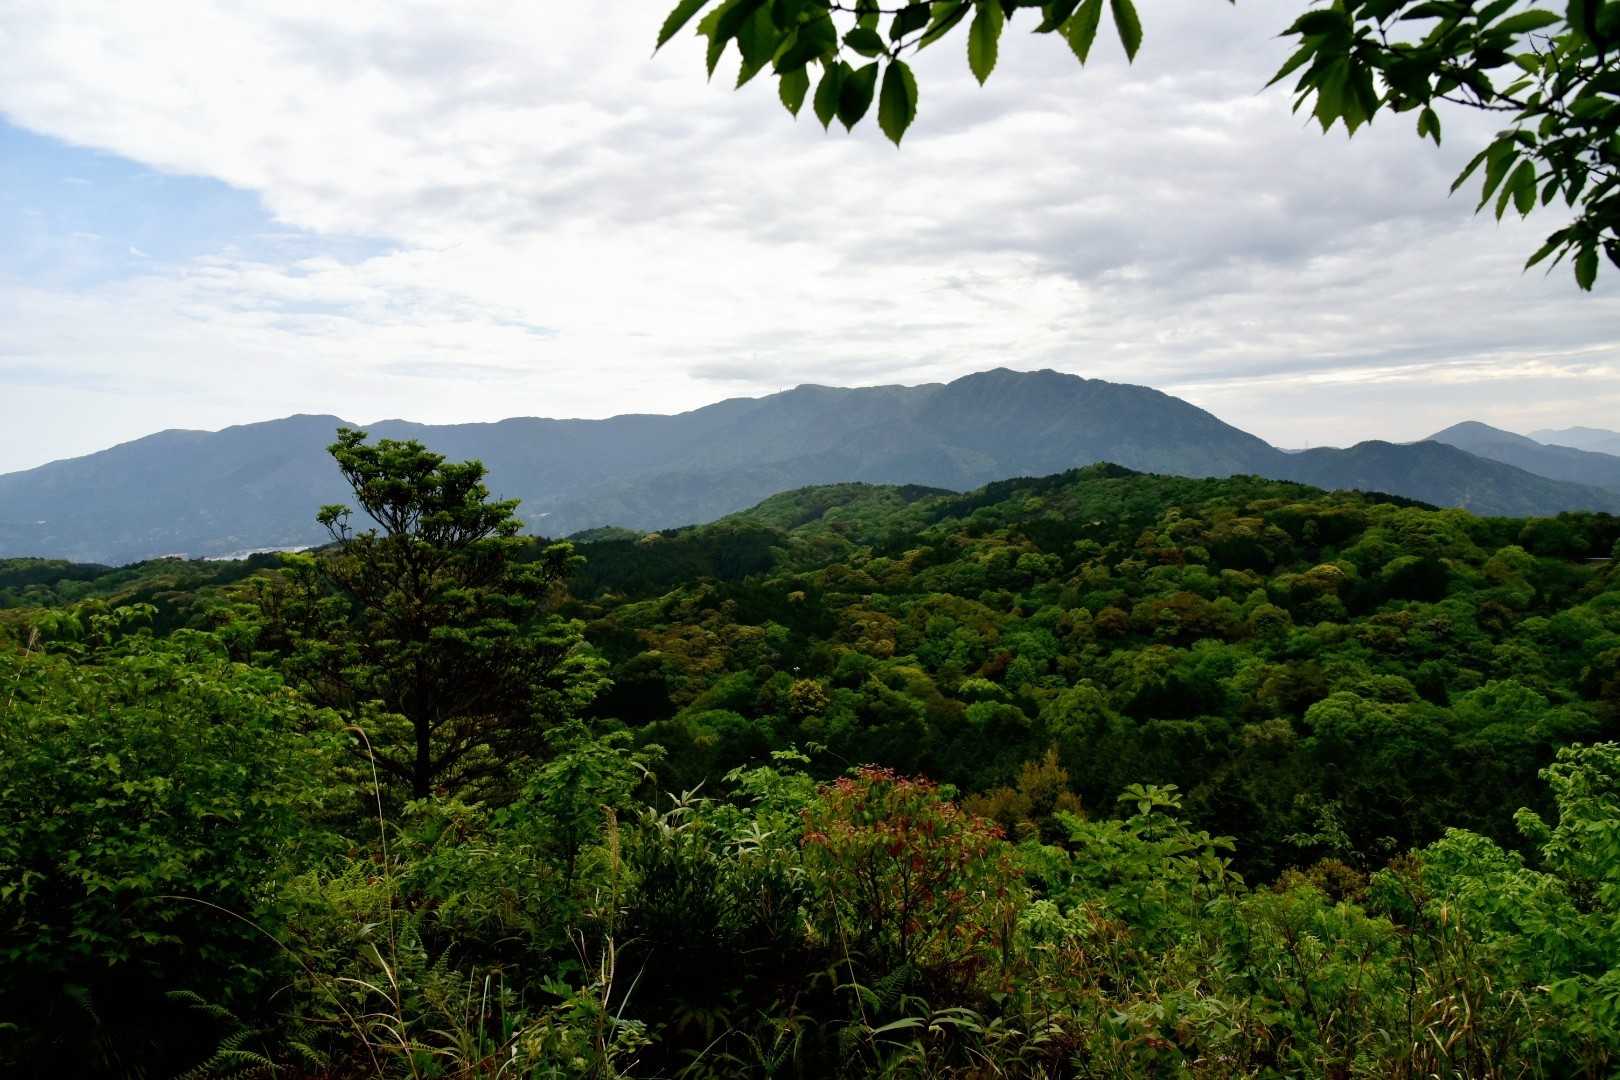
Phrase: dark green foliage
{"type": "Point", "coordinates": [1270, 649]}
{"type": "Point", "coordinates": [437, 619]}
{"type": "Point", "coordinates": [1225, 780]}
{"type": "Point", "coordinates": [657, 562]}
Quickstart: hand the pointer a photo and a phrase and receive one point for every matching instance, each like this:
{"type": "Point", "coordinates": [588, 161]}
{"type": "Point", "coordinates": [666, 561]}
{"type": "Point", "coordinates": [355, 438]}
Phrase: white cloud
{"type": "Point", "coordinates": [570, 227]}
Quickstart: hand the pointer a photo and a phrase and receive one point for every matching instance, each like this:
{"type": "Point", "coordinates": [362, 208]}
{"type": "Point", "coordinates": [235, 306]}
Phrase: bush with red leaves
{"type": "Point", "coordinates": [907, 879]}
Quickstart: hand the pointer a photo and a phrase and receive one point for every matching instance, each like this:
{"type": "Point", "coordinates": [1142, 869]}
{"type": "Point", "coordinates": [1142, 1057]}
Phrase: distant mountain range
{"type": "Point", "coordinates": [1559, 462]}
{"type": "Point", "coordinates": [259, 485]}
{"type": "Point", "coordinates": [1581, 438]}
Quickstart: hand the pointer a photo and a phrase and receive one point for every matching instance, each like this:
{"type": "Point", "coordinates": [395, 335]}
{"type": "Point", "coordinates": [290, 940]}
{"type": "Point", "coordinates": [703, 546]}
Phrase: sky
{"type": "Point", "coordinates": [216, 213]}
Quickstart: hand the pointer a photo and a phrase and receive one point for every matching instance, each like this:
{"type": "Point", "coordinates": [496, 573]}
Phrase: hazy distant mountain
{"type": "Point", "coordinates": [259, 485]}
{"type": "Point", "coordinates": [1581, 438]}
{"type": "Point", "coordinates": [1445, 476]}
{"type": "Point", "coordinates": [1560, 462]}
{"type": "Point", "coordinates": [194, 492]}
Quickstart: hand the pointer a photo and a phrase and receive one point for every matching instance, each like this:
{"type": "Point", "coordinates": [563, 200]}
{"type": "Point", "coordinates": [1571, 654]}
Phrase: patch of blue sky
{"type": "Point", "coordinates": [75, 217]}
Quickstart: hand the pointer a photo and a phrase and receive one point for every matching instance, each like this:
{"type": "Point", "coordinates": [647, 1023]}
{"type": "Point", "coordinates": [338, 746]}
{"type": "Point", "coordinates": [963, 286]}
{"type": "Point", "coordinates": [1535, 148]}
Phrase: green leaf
{"type": "Point", "coordinates": [722, 24]}
{"type": "Point", "coordinates": [946, 15]}
{"type": "Point", "coordinates": [679, 17]}
{"type": "Point", "coordinates": [1474, 163]}
{"type": "Point", "coordinates": [747, 71]}
{"type": "Point", "coordinates": [904, 1024]}
{"type": "Point", "coordinates": [1320, 23]}
{"type": "Point", "coordinates": [1545, 250]}
{"type": "Point", "coordinates": [1302, 54]}
{"type": "Point", "coordinates": [1129, 26]}
{"type": "Point", "coordinates": [1081, 30]}
{"type": "Point", "coordinates": [1431, 11]}
{"type": "Point", "coordinates": [1502, 200]}
{"type": "Point", "coordinates": [984, 37]}
{"type": "Point", "coordinates": [1055, 15]}
{"type": "Point", "coordinates": [827, 91]}
{"type": "Point", "coordinates": [1586, 264]}
{"type": "Point", "coordinates": [1332, 92]}
{"type": "Point", "coordinates": [866, 42]}
{"type": "Point", "coordinates": [1581, 18]}
{"type": "Point", "coordinates": [855, 96]}
{"type": "Point", "coordinates": [897, 104]}
{"type": "Point", "coordinates": [909, 19]}
{"type": "Point", "coordinates": [757, 39]}
{"type": "Point", "coordinates": [813, 40]}
{"type": "Point", "coordinates": [1429, 125]}
{"type": "Point", "coordinates": [792, 87]}
{"type": "Point", "coordinates": [1500, 156]}
{"type": "Point", "coordinates": [1525, 22]}
{"type": "Point", "coordinates": [1523, 186]}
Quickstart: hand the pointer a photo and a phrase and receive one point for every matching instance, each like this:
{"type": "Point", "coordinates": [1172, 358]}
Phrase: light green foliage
{"type": "Point", "coordinates": [1148, 867]}
{"type": "Point", "coordinates": [1550, 928]}
{"type": "Point", "coordinates": [565, 799]}
{"type": "Point", "coordinates": [150, 791]}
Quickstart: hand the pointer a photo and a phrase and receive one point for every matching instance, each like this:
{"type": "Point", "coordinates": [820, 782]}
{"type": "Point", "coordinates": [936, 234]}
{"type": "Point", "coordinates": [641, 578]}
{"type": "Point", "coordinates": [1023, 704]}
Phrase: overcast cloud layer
{"type": "Point", "coordinates": [466, 212]}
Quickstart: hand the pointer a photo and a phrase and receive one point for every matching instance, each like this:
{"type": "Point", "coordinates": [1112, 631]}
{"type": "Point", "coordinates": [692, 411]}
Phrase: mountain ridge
{"type": "Point", "coordinates": [1566, 463]}
{"type": "Point", "coordinates": [1600, 440]}
{"type": "Point", "coordinates": [258, 485]}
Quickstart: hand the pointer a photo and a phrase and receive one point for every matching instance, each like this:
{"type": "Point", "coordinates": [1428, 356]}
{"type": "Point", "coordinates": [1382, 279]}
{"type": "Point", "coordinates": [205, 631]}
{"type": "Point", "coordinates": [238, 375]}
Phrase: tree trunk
{"type": "Point", "coordinates": [422, 774]}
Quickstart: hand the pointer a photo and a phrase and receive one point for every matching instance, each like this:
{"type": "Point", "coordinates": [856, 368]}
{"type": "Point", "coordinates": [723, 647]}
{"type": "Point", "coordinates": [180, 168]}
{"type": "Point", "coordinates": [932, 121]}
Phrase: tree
{"type": "Point", "coordinates": [147, 787]}
{"type": "Point", "coordinates": [445, 618]}
{"type": "Point", "coordinates": [1355, 58]}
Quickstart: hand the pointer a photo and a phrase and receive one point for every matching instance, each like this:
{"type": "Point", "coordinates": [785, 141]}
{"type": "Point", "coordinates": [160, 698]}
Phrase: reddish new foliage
{"type": "Point", "coordinates": [909, 878]}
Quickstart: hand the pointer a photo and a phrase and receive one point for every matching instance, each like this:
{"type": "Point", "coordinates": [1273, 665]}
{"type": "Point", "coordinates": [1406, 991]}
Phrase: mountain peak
{"type": "Point", "coordinates": [1564, 463]}
{"type": "Point", "coordinates": [1475, 431]}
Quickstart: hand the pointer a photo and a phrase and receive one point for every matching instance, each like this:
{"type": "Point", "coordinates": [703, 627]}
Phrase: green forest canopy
{"type": "Point", "coordinates": [1225, 777]}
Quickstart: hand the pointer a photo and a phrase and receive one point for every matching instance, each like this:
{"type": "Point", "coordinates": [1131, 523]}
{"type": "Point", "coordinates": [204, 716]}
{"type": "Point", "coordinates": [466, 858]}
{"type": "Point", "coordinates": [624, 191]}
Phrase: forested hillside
{"type": "Point", "coordinates": [1098, 774]}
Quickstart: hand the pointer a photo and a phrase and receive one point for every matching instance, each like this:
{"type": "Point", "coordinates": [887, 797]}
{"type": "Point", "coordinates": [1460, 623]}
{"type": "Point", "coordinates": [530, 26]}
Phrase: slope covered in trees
{"type": "Point", "coordinates": [1097, 774]}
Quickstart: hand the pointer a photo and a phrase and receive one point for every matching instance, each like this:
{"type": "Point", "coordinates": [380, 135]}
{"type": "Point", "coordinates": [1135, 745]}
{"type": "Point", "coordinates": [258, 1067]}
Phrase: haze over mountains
{"type": "Point", "coordinates": [1560, 462]}
{"type": "Point", "coordinates": [259, 485]}
{"type": "Point", "coordinates": [1581, 438]}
